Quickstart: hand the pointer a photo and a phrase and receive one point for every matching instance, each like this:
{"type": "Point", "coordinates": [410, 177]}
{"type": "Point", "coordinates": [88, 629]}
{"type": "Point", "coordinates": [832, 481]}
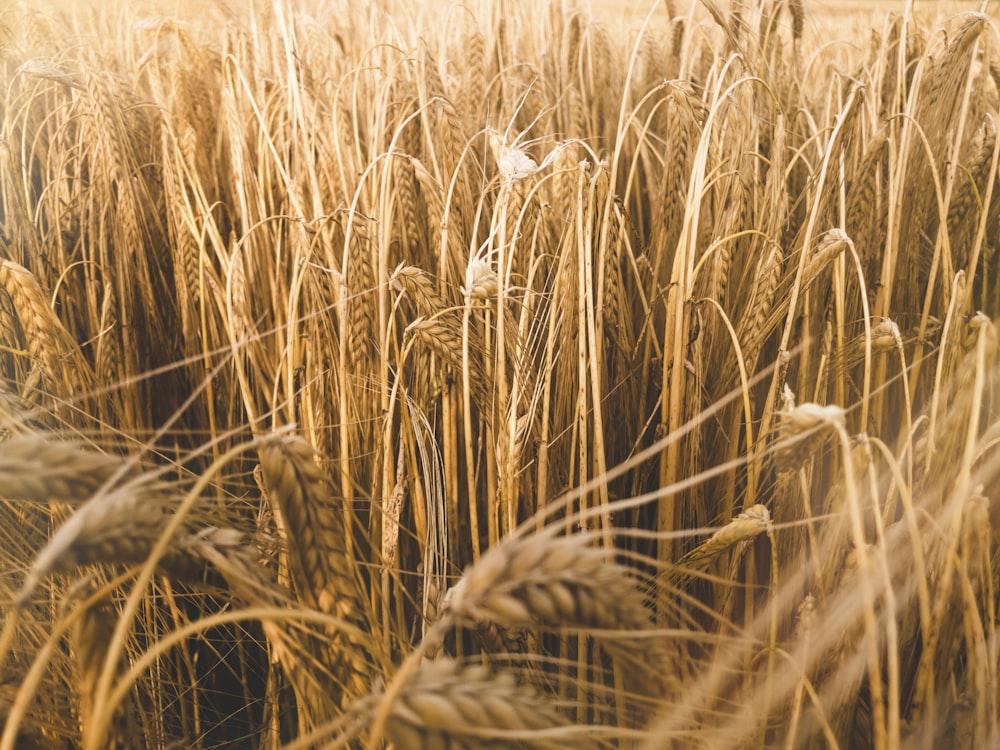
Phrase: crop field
{"type": "Point", "coordinates": [499, 375]}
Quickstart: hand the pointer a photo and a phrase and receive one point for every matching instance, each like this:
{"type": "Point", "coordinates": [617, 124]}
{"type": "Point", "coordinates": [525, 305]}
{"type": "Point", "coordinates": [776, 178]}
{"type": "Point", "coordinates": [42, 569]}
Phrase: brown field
{"type": "Point", "coordinates": [500, 375]}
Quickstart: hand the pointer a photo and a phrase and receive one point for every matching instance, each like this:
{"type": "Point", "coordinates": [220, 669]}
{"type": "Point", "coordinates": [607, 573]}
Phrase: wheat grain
{"type": "Point", "coordinates": [107, 366]}
{"type": "Point", "coordinates": [420, 288]}
{"type": "Point", "coordinates": [755, 330]}
{"type": "Point", "coordinates": [481, 282]}
{"type": "Point", "coordinates": [405, 194]}
{"type": "Point", "coordinates": [885, 336]}
{"type": "Point", "coordinates": [360, 282]}
{"type": "Point", "coordinates": [443, 334]}
{"type": "Point", "coordinates": [866, 205]}
{"type": "Point", "coordinates": [677, 28]}
{"type": "Point", "coordinates": [90, 636]}
{"type": "Point", "coordinates": [967, 203]}
{"type": "Point", "coordinates": [830, 245]}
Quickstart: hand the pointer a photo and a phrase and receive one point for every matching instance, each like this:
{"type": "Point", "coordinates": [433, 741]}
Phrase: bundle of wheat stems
{"type": "Point", "coordinates": [492, 375]}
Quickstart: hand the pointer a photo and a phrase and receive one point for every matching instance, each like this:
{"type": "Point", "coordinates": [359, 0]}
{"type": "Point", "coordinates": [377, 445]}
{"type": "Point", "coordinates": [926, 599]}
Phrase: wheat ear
{"type": "Point", "coordinates": [317, 536]}
{"type": "Point", "coordinates": [450, 705]}
{"type": "Point", "coordinates": [801, 430]}
{"type": "Point", "coordinates": [744, 527]}
{"type": "Point", "coordinates": [49, 343]}
{"type": "Point", "coordinates": [527, 582]}
{"type": "Point", "coordinates": [555, 581]}
{"type": "Point", "coordinates": [314, 524]}
{"type": "Point", "coordinates": [118, 526]}
{"type": "Point", "coordinates": [39, 469]}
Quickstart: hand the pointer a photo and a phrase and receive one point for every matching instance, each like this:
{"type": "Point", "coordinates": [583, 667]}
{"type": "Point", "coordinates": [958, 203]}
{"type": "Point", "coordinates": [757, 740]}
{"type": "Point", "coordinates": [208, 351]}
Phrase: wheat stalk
{"type": "Point", "coordinates": [181, 185]}
{"type": "Point", "coordinates": [419, 286]}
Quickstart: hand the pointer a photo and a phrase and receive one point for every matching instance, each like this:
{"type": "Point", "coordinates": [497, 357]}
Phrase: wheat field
{"type": "Point", "coordinates": [499, 375]}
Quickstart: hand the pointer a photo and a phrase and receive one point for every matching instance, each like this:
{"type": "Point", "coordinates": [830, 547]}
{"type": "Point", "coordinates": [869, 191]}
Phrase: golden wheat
{"type": "Point", "coordinates": [532, 293]}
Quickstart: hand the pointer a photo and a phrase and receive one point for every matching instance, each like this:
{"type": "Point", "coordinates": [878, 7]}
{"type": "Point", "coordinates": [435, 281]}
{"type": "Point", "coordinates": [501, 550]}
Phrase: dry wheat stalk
{"type": "Point", "coordinates": [360, 301]}
{"type": "Point", "coordinates": [438, 223]}
{"type": "Point", "coordinates": [830, 245]}
{"type": "Point", "coordinates": [805, 627]}
{"type": "Point", "coordinates": [237, 296]}
{"type": "Point", "coordinates": [235, 557]}
{"type": "Point", "coordinates": [754, 329]}
{"type": "Point", "coordinates": [106, 360]}
{"type": "Point", "coordinates": [615, 308]}
{"type": "Point", "coordinates": [481, 282]}
{"type": "Point", "coordinates": [314, 670]}
{"type": "Point", "coordinates": [405, 195]}
{"type": "Point", "coordinates": [885, 336]}
{"type": "Point", "coordinates": [775, 194]}
{"type": "Point", "coordinates": [91, 632]}
{"type": "Point", "coordinates": [16, 415]}
{"type": "Point", "coordinates": [544, 580]}
{"type": "Point", "coordinates": [285, 139]}
{"type": "Point", "coordinates": [52, 71]}
{"type": "Point", "coordinates": [185, 250]}
{"type": "Point", "coordinates": [471, 104]}
{"type": "Point", "coordinates": [967, 202]}
{"type": "Point", "coordinates": [798, 12]}
{"type": "Point", "coordinates": [936, 112]}
{"type": "Point", "coordinates": [866, 205]}
{"type": "Point", "coordinates": [451, 143]}
{"type": "Point", "coordinates": [942, 86]}
{"type": "Point", "coordinates": [443, 334]}
{"type": "Point", "coordinates": [677, 27]}
{"type": "Point", "coordinates": [685, 116]}
{"type": "Point", "coordinates": [403, 129]}
{"type": "Point", "coordinates": [391, 510]}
